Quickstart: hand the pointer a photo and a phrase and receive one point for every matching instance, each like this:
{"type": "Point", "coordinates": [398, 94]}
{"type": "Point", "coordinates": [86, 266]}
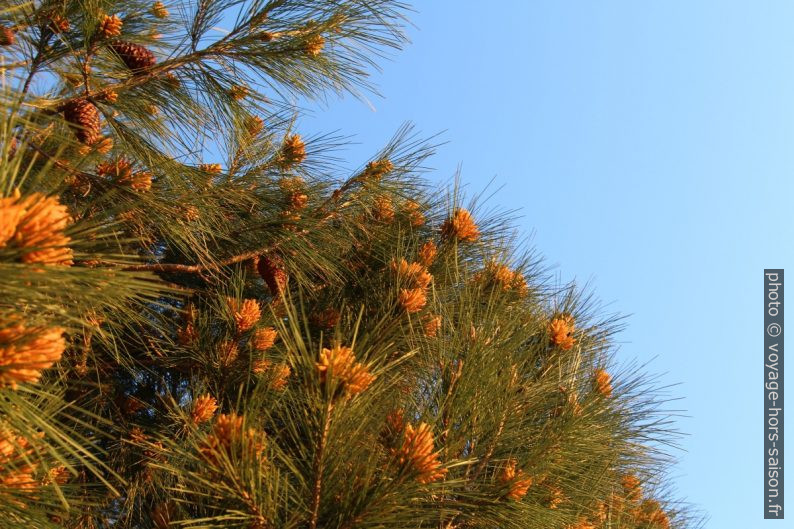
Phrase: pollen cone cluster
{"type": "Point", "coordinates": [26, 352]}
{"type": "Point", "coordinates": [35, 225]}
{"type": "Point", "coordinates": [110, 26]}
{"type": "Point", "coordinates": [264, 338]}
{"type": "Point", "coordinates": [631, 486]}
{"type": "Point", "coordinates": [414, 275]}
{"type": "Point", "coordinates": [16, 470]}
{"type": "Point", "coordinates": [518, 483]}
{"type": "Point", "coordinates": [315, 45]}
{"type": "Point", "coordinates": [187, 333]}
{"type": "Point", "coordinates": [121, 168]}
{"type": "Point", "coordinates": [418, 453]}
{"type": "Point", "coordinates": [412, 299]}
{"type": "Point", "coordinates": [228, 438]}
{"type": "Point", "coordinates": [211, 168]}
{"type": "Point", "coordinates": [246, 313]}
{"type": "Point", "coordinates": [414, 212]}
{"type": "Point", "coordinates": [204, 408]}
{"type": "Point", "coordinates": [83, 116]}
{"type": "Point", "coordinates": [561, 330]}
{"type": "Point", "coordinates": [427, 253]}
{"type": "Point", "coordinates": [159, 10]}
{"type": "Point", "coordinates": [460, 226]}
{"type": "Point", "coordinates": [377, 169]}
{"type": "Point", "coordinates": [602, 383]}
{"type": "Point", "coordinates": [505, 277]}
{"type": "Point", "coordinates": [339, 365]}
{"type": "Point", "coordinates": [650, 514]}
{"type": "Point", "coordinates": [415, 279]}
{"type": "Point", "coordinates": [293, 152]}
{"type": "Point", "coordinates": [432, 326]}
{"type": "Point", "coordinates": [383, 209]}
{"type": "Point", "coordinates": [279, 373]}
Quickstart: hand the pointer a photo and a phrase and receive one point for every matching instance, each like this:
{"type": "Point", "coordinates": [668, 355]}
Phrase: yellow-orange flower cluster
{"type": "Point", "coordinates": [298, 201]}
{"type": "Point", "coordinates": [414, 213]}
{"type": "Point", "coordinates": [204, 407]}
{"type": "Point", "coordinates": [239, 92]}
{"type": "Point", "coordinates": [561, 330]}
{"type": "Point", "coordinates": [555, 496]}
{"type": "Point", "coordinates": [383, 209]}
{"type": "Point", "coordinates": [246, 314]}
{"type": "Point", "coordinates": [602, 382]}
{"type": "Point", "coordinates": [650, 513]}
{"type": "Point", "coordinates": [105, 145]}
{"type": "Point", "coordinates": [416, 278]}
{"type": "Point", "coordinates": [35, 224]}
{"type": "Point", "coordinates": [187, 334]}
{"type": "Point", "coordinates": [339, 365]}
{"type": "Point", "coordinates": [427, 253]}
{"type": "Point", "coordinates": [110, 26]}
{"type": "Point", "coordinates": [264, 338]}
{"type": "Point", "coordinates": [414, 275]}
{"type": "Point", "coordinates": [460, 227]}
{"type": "Point", "coordinates": [293, 151]}
{"type": "Point", "coordinates": [159, 10]}
{"type": "Point", "coordinates": [377, 169]}
{"type": "Point", "coordinates": [211, 168]}
{"type": "Point", "coordinates": [631, 486]}
{"type": "Point", "coordinates": [191, 213]}
{"type": "Point", "coordinates": [120, 168]}
{"type": "Point", "coordinates": [59, 24]}
{"type": "Point", "coordinates": [15, 471]}
{"type": "Point", "coordinates": [314, 45]}
{"type": "Point", "coordinates": [503, 276]}
{"type": "Point", "coordinates": [418, 452]}
{"type": "Point", "coordinates": [518, 482]}
{"type": "Point", "coordinates": [121, 172]}
{"type": "Point", "coordinates": [25, 353]}
{"type": "Point", "coordinates": [139, 181]}
{"type": "Point", "coordinates": [432, 326]}
{"type": "Point", "coordinates": [228, 438]}
{"type": "Point", "coordinates": [280, 373]}
{"type": "Point", "coordinates": [412, 299]}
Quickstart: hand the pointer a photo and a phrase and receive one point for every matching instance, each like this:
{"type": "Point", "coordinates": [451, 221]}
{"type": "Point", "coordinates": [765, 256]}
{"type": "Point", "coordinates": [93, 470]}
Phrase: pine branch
{"type": "Point", "coordinates": [318, 465]}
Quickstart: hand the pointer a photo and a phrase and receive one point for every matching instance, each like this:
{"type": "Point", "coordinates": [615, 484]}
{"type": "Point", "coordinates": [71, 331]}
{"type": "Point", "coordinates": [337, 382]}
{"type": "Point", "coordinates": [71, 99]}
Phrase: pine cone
{"type": "Point", "coordinates": [84, 118]}
{"type": "Point", "coordinates": [272, 271]}
{"type": "Point", "coordinates": [7, 36]}
{"type": "Point", "coordinates": [136, 57]}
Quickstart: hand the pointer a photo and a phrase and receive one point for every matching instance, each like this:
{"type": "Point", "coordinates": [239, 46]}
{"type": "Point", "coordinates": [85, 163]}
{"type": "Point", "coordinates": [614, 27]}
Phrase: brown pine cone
{"type": "Point", "coordinates": [272, 271]}
{"type": "Point", "coordinates": [136, 57]}
{"type": "Point", "coordinates": [7, 36]}
{"type": "Point", "coordinates": [83, 116]}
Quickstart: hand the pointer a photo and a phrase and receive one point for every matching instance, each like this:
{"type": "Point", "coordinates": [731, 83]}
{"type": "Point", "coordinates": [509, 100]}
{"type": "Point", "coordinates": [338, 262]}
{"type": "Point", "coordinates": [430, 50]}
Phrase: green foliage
{"type": "Point", "coordinates": [271, 342]}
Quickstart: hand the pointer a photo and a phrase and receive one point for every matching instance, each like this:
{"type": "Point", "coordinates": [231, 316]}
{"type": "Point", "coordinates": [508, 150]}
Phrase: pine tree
{"type": "Point", "coordinates": [205, 323]}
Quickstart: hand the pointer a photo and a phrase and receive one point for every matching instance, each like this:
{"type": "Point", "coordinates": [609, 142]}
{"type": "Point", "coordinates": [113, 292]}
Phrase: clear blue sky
{"type": "Point", "coordinates": [648, 145]}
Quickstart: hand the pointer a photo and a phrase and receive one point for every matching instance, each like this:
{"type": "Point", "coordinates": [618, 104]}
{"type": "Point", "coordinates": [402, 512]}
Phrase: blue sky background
{"type": "Point", "coordinates": [648, 145]}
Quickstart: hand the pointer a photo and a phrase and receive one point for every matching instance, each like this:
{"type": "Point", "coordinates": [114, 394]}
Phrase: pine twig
{"type": "Point", "coordinates": [318, 465]}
